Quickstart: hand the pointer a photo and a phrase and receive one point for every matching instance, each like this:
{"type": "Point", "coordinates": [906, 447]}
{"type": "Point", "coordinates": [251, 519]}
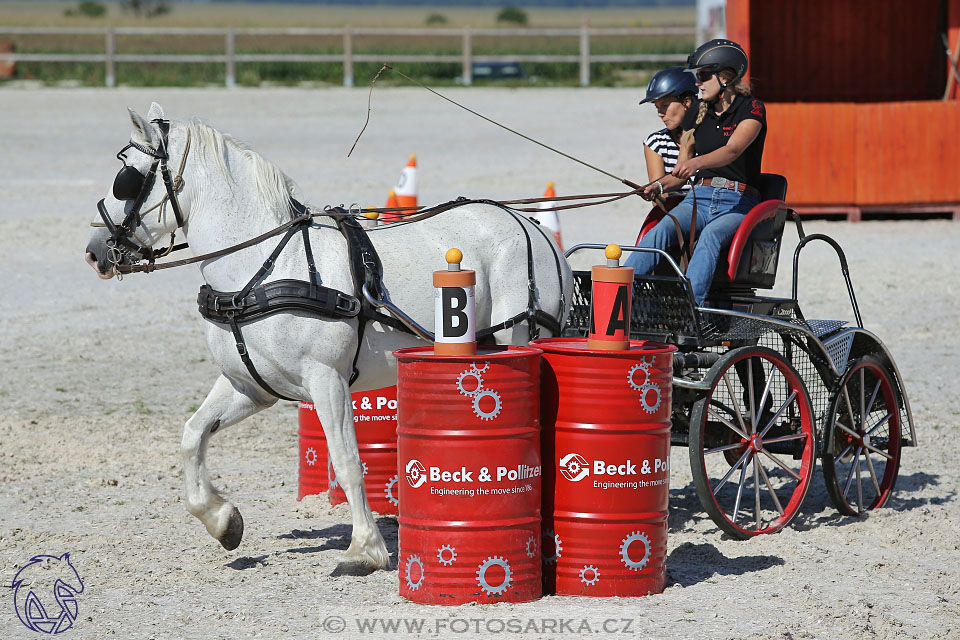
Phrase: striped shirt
{"type": "Point", "coordinates": [664, 146]}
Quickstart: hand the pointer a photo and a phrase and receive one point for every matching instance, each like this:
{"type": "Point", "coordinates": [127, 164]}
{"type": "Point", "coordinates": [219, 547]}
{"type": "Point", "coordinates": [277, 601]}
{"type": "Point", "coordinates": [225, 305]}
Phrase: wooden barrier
{"type": "Point", "coordinates": [853, 158]}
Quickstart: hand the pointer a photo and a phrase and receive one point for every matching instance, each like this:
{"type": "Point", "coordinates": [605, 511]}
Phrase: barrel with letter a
{"type": "Point", "coordinates": [606, 451]}
{"type": "Point", "coordinates": [470, 472]}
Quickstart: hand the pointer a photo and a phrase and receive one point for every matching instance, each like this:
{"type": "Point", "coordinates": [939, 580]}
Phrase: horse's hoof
{"type": "Point", "coordinates": [234, 532]}
{"type": "Point", "coordinates": [353, 568]}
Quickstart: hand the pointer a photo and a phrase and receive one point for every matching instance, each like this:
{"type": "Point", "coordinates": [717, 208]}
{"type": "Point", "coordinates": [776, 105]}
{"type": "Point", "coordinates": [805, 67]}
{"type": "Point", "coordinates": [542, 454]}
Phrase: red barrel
{"type": "Point", "coordinates": [469, 456]}
{"type": "Point", "coordinates": [606, 447]}
{"type": "Point", "coordinates": [375, 422]}
{"type": "Point", "coordinates": [313, 453]}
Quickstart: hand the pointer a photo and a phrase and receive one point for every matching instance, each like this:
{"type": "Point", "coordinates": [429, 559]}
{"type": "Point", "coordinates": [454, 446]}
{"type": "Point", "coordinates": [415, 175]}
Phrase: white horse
{"type": "Point", "coordinates": [230, 194]}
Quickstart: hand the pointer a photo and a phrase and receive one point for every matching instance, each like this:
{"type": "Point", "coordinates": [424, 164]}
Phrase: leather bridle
{"type": "Point", "coordinates": [123, 239]}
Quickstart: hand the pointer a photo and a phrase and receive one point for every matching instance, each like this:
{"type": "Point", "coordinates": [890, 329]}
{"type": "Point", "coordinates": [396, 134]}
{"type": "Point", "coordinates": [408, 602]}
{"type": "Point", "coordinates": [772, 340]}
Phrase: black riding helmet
{"type": "Point", "coordinates": [674, 81]}
{"type": "Point", "coordinates": [717, 55]}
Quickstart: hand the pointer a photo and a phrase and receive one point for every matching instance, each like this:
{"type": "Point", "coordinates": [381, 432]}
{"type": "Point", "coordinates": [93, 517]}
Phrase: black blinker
{"type": "Point", "coordinates": [128, 183]}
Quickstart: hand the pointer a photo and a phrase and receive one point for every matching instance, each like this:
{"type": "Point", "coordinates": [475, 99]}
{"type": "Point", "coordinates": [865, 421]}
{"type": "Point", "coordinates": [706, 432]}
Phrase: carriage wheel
{"type": "Point", "coordinates": [757, 408]}
{"type": "Point", "coordinates": [862, 456]}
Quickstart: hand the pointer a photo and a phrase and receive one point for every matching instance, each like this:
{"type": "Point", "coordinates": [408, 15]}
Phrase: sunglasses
{"type": "Point", "coordinates": [705, 74]}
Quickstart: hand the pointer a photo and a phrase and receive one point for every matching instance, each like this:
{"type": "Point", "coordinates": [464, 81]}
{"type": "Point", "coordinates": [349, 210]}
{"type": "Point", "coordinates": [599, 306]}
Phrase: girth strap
{"type": "Point", "coordinates": [366, 269]}
{"type": "Point", "coordinates": [256, 301]}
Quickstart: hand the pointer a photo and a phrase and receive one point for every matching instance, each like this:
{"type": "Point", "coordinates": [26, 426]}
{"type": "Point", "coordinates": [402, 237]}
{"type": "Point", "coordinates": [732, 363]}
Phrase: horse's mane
{"type": "Point", "coordinates": [275, 189]}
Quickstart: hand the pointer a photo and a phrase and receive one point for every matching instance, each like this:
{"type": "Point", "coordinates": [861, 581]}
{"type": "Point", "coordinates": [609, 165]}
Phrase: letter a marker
{"type": "Point", "coordinates": [610, 305]}
{"type": "Point", "coordinates": [454, 308]}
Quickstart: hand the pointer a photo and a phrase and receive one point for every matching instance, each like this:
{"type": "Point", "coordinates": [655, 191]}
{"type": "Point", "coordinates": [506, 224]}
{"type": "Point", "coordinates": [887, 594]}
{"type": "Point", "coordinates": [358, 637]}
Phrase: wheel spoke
{"type": "Point", "coordinates": [846, 399]}
{"type": "Point", "coordinates": [756, 489]}
{"type": "Point", "coordinates": [873, 396]}
{"type": "Point", "coordinates": [773, 494]}
{"type": "Point", "coordinates": [795, 436]}
{"type": "Point", "coordinates": [880, 424]}
{"type": "Point", "coordinates": [753, 405]}
{"type": "Point", "coordinates": [723, 480]}
{"type": "Point", "coordinates": [873, 473]}
{"type": "Point", "coordinates": [793, 473]}
{"type": "Point", "coordinates": [846, 486]}
{"type": "Point", "coordinates": [859, 485]}
{"type": "Point", "coordinates": [878, 452]}
{"type": "Point", "coordinates": [743, 479]}
{"type": "Point", "coordinates": [766, 391]}
{"type": "Point", "coordinates": [736, 404]}
{"type": "Point", "coordinates": [844, 452]}
{"type": "Point", "coordinates": [728, 424]}
{"type": "Point", "coordinates": [783, 407]}
{"type": "Point", "coordinates": [726, 447]}
{"type": "Point", "coordinates": [863, 402]}
{"type": "Point", "coordinates": [852, 433]}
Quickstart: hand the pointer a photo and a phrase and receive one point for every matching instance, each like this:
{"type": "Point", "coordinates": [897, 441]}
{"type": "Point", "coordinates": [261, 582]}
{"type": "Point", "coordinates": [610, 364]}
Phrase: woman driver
{"type": "Point", "coordinates": [721, 148]}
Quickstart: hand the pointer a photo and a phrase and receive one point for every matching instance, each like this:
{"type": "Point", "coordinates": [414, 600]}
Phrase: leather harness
{"type": "Point", "coordinates": [256, 301]}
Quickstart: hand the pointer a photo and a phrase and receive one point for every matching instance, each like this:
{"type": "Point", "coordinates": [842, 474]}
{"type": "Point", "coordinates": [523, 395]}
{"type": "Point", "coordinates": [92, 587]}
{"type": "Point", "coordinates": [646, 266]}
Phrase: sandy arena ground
{"type": "Point", "coordinates": [98, 378]}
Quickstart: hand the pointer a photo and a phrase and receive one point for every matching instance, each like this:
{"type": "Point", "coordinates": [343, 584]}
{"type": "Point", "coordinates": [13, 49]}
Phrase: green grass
{"type": "Point", "coordinates": [293, 73]}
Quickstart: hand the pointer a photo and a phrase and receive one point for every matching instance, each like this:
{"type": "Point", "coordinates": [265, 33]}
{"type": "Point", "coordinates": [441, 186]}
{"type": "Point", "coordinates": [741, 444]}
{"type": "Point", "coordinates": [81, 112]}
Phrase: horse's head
{"type": "Point", "coordinates": [123, 232]}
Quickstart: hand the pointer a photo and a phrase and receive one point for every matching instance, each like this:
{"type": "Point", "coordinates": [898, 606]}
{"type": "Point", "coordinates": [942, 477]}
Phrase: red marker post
{"type": "Point", "coordinates": [610, 306]}
{"type": "Point", "coordinates": [455, 332]}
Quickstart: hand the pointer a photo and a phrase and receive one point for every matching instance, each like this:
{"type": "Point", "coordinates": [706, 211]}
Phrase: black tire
{"type": "Point", "coordinates": [862, 438]}
{"type": "Point", "coordinates": [782, 461]}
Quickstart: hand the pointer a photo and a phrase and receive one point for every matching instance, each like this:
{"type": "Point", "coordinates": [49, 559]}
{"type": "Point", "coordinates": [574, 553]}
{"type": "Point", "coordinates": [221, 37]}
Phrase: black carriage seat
{"type": "Point", "coordinates": [751, 261]}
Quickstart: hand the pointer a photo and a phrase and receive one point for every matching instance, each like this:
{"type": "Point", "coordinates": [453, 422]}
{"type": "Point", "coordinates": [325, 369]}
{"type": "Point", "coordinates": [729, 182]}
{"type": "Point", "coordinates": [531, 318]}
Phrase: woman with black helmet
{"type": "Point", "coordinates": [720, 148]}
{"type": "Point", "coordinates": [671, 91]}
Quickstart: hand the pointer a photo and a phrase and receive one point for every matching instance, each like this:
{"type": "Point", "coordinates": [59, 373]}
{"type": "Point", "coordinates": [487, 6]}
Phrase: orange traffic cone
{"type": "Point", "coordinates": [407, 184]}
{"type": "Point", "coordinates": [549, 219]}
{"type": "Point", "coordinates": [391, 204]}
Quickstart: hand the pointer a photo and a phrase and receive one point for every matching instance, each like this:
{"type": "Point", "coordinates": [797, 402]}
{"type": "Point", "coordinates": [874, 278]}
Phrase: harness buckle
{"type": "Point", "coordinates": [241, 349]}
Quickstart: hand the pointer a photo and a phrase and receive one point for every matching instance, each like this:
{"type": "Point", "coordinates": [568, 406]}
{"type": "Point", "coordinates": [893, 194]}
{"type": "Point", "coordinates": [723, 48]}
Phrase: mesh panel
{"type": "Point", "coordinates": [662, 307]}
{"type": "Point", "coordinates": [839, 350]}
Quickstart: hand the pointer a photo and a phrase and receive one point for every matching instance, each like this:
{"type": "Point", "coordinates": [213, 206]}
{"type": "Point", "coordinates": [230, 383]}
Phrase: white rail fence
{"type": "Point", "coordinates": [348, 57]}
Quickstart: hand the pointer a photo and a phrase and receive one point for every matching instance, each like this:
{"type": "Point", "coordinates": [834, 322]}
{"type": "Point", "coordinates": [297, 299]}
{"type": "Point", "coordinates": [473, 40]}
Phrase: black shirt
{"type": "Point", "coordinates": [715, 131]}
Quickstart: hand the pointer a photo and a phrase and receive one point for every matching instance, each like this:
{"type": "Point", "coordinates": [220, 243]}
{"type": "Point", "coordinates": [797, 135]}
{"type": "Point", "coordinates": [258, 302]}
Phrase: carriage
{"type": "Point", "coordinates": [760, 391]}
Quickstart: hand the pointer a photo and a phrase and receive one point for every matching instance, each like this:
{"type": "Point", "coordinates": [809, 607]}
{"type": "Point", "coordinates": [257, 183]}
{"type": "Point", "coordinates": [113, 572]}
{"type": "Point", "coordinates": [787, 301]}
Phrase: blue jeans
{"type": "Point", "coordinates": [719, 213]}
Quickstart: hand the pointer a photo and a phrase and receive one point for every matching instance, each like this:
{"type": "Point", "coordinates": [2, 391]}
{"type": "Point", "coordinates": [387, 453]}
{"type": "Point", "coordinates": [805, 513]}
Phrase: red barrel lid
{"type": "Point", "coordinates": [637, 347]}
{"type": "Point", "coordinates": [487, 352]}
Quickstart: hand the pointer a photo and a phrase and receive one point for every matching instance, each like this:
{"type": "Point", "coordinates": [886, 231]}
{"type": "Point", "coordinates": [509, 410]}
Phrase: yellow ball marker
{"type": "Point", "coordinates": [455, 332]}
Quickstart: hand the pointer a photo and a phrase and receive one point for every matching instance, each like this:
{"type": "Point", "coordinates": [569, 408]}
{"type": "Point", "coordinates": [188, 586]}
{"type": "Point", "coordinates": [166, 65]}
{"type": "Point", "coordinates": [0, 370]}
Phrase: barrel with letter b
{"type": "Point", "coordinates": [606, 451]}
{"type": "Point", "coordinates": [469, 457]}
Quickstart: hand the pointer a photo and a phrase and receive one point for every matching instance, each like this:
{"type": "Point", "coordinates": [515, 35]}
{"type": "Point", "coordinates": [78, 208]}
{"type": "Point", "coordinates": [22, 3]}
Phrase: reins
{"type": "Point", "coordinates": [411, 214]}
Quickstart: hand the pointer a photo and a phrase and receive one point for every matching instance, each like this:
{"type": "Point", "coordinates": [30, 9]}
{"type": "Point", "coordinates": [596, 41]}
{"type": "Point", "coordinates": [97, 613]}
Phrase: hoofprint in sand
{"type": "Point", "coordinates": [98, 379]}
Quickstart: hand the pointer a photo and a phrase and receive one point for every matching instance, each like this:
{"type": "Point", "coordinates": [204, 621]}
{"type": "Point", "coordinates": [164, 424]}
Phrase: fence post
{"type": "Point", "coordinates": [467, 57]}
{"type": "Point", "coordinates": [111, 79]}
{"type": "Point", "coordinates": [231, 63]}
{"type": "Point", "coordinates": [585, 53]}
{"type": "Point", "coordinates": [348, 56]}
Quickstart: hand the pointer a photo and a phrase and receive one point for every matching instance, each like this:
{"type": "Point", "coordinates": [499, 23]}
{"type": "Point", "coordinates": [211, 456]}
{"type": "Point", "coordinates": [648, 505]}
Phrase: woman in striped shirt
{"type": "Point", "coordinates": [671, 91]}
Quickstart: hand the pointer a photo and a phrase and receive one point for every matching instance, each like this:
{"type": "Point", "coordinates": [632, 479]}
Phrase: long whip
{"type": "Point", "coordinates": [629, 183]}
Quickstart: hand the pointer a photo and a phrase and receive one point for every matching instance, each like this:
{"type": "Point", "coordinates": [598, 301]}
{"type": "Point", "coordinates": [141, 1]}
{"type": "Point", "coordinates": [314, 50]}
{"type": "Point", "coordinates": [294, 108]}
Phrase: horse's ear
{"type": "Point", "coordinates": [142, 126]}
{"type": "Point", "coordinates": [155, 113]}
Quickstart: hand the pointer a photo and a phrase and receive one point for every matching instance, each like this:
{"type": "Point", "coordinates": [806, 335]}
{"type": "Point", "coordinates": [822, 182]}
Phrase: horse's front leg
{"type": "Point", "coordinates": [223, 406]}
{"type": "Point", "coordinates": [331, 397]}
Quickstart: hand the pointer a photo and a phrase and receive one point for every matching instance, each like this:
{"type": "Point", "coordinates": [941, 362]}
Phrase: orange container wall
{"type": "Point", "coordinates": [814, 146]}
{"type": "Point", "coordinates": [907, 153]}
{"type": "Point", "coordinates": [865, 154]}
{"type": "Point", "coordinates": [876, 131]}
